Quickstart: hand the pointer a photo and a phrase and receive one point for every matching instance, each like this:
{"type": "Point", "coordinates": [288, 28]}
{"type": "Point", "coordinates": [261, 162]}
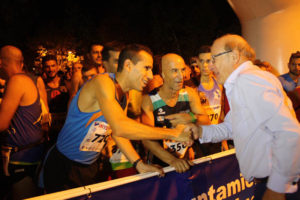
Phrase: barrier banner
{"type": "Point", "coordinates": [216, 179]}
{"type": "Point", "coordinates": [220, 179]}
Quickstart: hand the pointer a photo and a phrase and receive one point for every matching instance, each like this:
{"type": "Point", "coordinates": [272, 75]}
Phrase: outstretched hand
{"type": "Point", "coordinates": [185, 135]}
{"type": "Point", "coordinates": [195, 130]}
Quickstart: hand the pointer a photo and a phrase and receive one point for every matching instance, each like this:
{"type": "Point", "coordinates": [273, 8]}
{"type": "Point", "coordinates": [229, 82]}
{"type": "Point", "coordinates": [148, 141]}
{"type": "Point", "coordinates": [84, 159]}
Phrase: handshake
{"type": "Point", "coordinates": [188, 133]}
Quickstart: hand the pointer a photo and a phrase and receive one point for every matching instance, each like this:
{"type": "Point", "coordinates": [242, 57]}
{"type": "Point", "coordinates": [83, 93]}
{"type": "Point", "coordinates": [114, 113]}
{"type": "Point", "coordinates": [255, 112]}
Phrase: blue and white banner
{"type": "Point", "coordinates": [215, 179]}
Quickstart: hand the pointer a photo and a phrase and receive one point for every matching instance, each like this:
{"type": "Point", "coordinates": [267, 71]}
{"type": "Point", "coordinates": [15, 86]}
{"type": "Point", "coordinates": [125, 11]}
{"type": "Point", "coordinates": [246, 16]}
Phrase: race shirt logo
{"type": "Point", "coordinates": [161, 111]}
{"type": "Point", "coordinates": [160, 118]}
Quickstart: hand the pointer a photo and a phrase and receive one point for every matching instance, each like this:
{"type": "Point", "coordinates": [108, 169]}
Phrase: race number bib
{"type": "Point", "coordinates": [96, 138]}
{"type": "Point", "coordinates": [175, 147]}
{"type": "Point", "coordinates": [213, 113]}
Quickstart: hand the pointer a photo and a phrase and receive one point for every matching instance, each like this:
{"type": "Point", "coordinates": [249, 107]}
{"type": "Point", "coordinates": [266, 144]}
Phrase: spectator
{"type": "Point", "coordinates": [193, 81]}
{"type": "Point", "coordinates": [57, 95]}
{"type": "Point", "coordinates": [261, 121]}
{"type": "Point", "coordinates": [291, 80]}
{"type": "Point", "coordinates": [211, 96]}
{"type": "Point", "coordinates": [95, 57]}
{"type": "Point", "coordinates": [20, 117]}
{"type": "Point", "coordinates": [92, 66]}
{"type": "Point", "coordinates": [67, 77]}
{"type": "Point", "coordinates": [88, 74]}
{"type": "Point", "coordinates": [110, 55]}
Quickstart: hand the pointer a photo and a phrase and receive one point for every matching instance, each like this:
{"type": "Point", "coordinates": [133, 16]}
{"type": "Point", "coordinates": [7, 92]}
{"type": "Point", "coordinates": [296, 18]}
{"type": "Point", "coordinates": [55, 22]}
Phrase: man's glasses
{"type": "Point", "coordinates": [219, 54]}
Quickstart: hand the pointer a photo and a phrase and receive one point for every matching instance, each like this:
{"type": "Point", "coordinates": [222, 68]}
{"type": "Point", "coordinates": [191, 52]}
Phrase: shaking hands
{"type": "Point", "coordinates": [187, 133]}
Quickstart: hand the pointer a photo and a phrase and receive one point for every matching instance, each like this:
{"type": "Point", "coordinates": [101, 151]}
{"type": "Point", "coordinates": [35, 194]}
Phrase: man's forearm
{"type": "Point", "coordinates": [136, 131]}
{"type": "Point", "coordinates": [214, 133]}
{"type": "Point", "coordinates": [126, 147]}
{"type": "Point", "coordinates": [158, 151]}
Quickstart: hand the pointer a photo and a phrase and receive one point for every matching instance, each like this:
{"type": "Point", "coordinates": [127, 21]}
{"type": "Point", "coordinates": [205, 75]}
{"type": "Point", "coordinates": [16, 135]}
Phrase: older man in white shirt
{"type": "Point", "coordinates": [261, 120]}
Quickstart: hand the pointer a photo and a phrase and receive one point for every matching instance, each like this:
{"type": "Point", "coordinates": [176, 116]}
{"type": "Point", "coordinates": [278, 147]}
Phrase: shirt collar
{"type": "Point", "coordinates": [233, 76]}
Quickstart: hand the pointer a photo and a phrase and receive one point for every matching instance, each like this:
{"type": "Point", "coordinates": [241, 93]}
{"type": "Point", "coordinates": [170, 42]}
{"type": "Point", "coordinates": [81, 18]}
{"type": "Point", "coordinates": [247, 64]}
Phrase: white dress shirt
{"type": "Point", "coordinates": [263, 126]}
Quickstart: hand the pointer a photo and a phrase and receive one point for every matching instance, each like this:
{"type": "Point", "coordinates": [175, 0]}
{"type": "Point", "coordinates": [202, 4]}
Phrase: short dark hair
{"type": "Point", "coordinates": [93, 43]}
{"type": "Point", "coordinates": [131, 52]}
{"type": "Point", "coordinates": [110, 46]}
{"type": "Point", "coordinates": [294, 56]}
{"type": "Point", "coordinates": [47, 58]}
{"type": "Point", "coordinates": [203, 49]}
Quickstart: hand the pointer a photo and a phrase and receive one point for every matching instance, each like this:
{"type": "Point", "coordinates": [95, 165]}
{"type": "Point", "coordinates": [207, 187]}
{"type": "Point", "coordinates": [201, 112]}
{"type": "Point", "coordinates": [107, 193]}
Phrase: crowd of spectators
{"type": "Point", "coordinates": [34, 109]}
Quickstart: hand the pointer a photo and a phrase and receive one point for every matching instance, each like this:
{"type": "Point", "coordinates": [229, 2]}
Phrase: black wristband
{"type": "Point", "coordinates": [136, 162]}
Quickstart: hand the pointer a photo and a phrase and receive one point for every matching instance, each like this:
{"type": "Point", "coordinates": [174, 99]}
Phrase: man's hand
{"type": "Point", "coordinates": [142, 167]}
{"type": "Point", "coordinates": [196, 131]}
{"type": "Point", "coordinates": [181, 165]}
{"type": "Point", "coordinates": [271, 195]}
{"type": "Point", "coordinates": [179, 118]}
{"type": "Point", "coordinates": [185, 134]}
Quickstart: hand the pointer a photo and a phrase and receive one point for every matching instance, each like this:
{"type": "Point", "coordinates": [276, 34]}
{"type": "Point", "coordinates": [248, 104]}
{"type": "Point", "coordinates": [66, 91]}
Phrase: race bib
{"type": "Point", "coordinates": [213, 113]}
{"type": "Point", "coordinates": [96, 138]}
{"type": "Point", "coordinates": [175, 147]}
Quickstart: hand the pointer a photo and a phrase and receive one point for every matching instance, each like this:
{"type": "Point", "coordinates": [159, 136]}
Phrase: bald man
{"type": "Point", "coordinates": [169, 106]}
{"type": "Point", "coordinates": [20, 115]}
{"type": "Point", "coordinates": [261, 121]}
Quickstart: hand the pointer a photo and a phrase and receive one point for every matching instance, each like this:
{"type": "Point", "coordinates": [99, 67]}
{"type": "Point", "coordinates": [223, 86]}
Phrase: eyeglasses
{"type": "Point", "coordinates": [219, 54]}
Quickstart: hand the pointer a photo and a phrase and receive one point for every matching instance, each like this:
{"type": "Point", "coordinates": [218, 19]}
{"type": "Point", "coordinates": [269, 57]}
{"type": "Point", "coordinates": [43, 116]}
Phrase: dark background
{"type": "Point", "coordinates": [164, 25]}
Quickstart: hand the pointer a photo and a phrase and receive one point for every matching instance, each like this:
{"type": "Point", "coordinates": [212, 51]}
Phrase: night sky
{"type": "Point", "coordinates": [165, 26]}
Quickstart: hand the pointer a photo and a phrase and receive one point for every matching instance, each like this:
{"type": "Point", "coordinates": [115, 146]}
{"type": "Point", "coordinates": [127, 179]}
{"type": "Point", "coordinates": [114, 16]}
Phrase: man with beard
{"type": "Point", "coordinates": [291, 80]}
{"type": "Point", "coordinates": [57, 95]}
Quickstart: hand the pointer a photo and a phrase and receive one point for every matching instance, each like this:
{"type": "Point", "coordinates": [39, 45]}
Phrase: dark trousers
{"type": "Point", "coordinates": [21, 183]}
{"type": "Point", "coordinates": [61, 173]}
